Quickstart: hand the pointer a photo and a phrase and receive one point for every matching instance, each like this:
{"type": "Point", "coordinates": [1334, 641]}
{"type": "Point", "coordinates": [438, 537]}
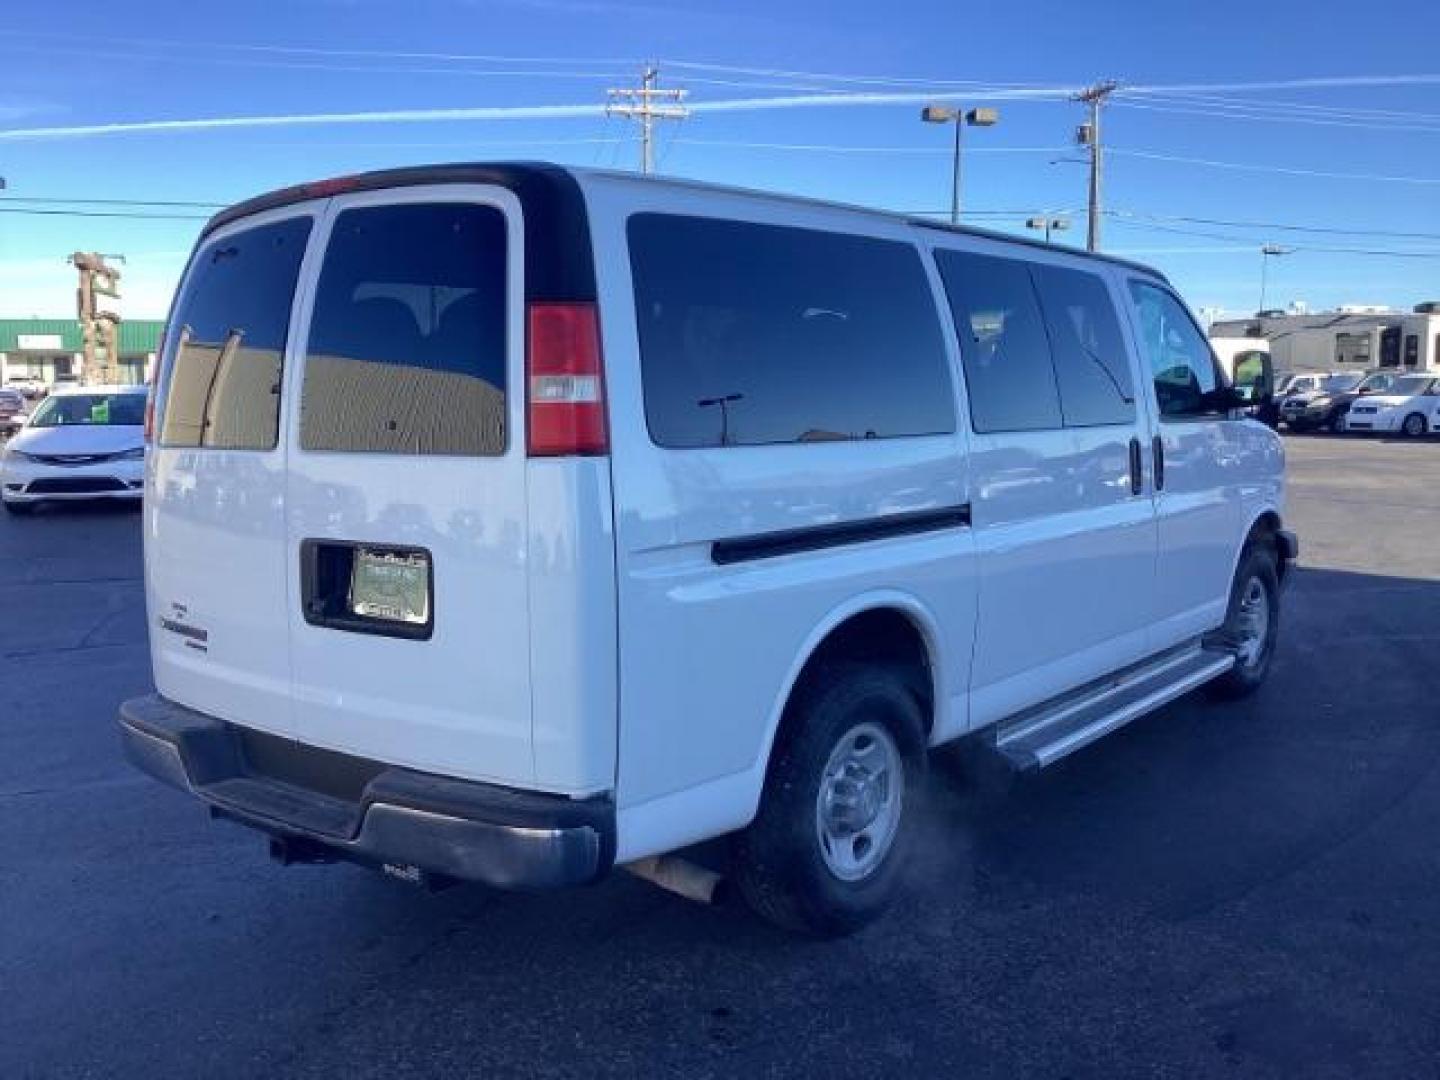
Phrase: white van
{"type": "Point", "coordinates": [512, 523]}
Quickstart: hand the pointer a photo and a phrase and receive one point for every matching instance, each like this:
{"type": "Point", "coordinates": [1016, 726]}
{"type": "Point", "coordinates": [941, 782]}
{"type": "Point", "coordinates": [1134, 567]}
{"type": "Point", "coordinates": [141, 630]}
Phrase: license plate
{"type": "Point", "coordinates": [390, 585]}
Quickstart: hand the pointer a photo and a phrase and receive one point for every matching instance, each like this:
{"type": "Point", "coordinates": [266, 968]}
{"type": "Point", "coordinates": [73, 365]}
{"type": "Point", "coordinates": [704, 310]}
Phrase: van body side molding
{"type": "Point", "coordinates": [814, 538]}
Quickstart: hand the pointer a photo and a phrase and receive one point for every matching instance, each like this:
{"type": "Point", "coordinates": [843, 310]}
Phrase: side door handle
{"type": "Point", "coordinates": [1157, 451]}
{"type": "Point", "coordinates": [1137, 479]}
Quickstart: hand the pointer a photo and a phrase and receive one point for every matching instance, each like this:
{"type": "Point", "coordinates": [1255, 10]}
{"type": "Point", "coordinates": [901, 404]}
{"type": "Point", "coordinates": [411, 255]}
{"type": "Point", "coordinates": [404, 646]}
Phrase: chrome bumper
{"type": "Point", "coordinates": [408, 823]}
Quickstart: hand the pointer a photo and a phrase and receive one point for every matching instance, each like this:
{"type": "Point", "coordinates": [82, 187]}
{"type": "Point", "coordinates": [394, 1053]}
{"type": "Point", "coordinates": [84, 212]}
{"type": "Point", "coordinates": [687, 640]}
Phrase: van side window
{"type": "Point", "coordinates": [223, 386]}
{"type": "Point", "coordinates": [407, 342]}
{"type": "Point", "coordinates": [1091, 363]}
{"type": "Point", "coordinates": [1181, 362]}
{"type": "Point", "coordinates": [1003, 344]}
{"type": "Point", "coordinates": [753, 334]}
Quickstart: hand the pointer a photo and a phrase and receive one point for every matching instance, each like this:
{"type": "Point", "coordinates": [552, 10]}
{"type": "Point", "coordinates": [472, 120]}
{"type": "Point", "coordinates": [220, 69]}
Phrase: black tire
{"type": "Point", "coordinates": [19, 509]}
{"type": "Point", "coordinates": [778, 863]}
{"type": "Point", "coordinates": [1257, 569]}
{"type": "Point", "coordinates": [1414, 426]}
{"type": "Point", "coordinates": [1336, 424]}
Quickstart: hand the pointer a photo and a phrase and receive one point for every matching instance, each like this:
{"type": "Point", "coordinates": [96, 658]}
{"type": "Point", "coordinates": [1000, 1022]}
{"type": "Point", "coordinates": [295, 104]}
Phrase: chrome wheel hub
{"type": "Point", "coordinates": [1253, 622]}
{"type": "Point", "coordinates": [857, 814]}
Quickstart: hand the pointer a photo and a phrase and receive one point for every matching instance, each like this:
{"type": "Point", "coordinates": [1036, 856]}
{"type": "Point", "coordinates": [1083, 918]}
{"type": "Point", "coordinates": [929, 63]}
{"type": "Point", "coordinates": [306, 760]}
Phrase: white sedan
{"type": "Point", "coordinates": [1411, 406]}
{"type": "Point", "coordinates": [87, 442]}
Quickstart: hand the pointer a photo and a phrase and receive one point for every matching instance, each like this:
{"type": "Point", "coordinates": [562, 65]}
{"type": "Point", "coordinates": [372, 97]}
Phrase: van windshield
{"type": "Point", "coordinates": [91, 410]}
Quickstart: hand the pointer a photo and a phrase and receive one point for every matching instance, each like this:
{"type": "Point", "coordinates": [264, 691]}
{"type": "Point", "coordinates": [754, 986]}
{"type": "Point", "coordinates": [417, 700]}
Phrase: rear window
{"type": "Point", "coordinates": [759, 334]}
{"type": "Point", "coordinates": [407, 342]}
{"type": "Point", "coordinates": [223, 388]}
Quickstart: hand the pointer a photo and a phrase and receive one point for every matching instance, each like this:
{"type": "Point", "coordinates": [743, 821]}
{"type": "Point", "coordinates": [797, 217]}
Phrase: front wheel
{"type": "Point", "coordinates": [1252, 623]}
{"type": "Point", "coordinates": [826, 852]}
{"type": "Point", "coordinates": [1414, 425]}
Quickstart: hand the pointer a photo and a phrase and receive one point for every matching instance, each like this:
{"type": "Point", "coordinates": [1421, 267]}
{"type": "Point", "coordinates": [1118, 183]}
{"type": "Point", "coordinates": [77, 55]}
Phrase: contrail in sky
{"type": "Point", "coordinates": [520, 112]}
{"type": "Point", "coordinates": [748, 104]}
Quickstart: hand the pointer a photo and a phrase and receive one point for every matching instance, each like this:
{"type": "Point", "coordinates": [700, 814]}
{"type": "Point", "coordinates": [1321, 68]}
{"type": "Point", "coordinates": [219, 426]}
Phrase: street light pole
{"type": "Point", "coordinates": [940, 114]}
{"type": "Point", "coordinates": [955, 176]}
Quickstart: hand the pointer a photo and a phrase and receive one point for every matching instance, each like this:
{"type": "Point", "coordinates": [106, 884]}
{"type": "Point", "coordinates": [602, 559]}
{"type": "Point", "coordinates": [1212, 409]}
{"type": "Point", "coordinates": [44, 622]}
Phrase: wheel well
{"type": "Point", "coordinates": [883, 636]}
{"type": "Point", "coordinates": [1263, 532]}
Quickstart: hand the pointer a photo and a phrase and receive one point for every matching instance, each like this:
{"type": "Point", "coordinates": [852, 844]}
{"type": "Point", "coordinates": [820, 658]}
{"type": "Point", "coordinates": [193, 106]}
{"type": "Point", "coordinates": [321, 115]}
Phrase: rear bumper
{"type": "Point", "coordinates": [396, 819]}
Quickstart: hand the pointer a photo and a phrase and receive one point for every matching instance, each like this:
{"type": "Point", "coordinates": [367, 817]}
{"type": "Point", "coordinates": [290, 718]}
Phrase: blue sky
{"type": "Point", "coordinates": [82, 64]}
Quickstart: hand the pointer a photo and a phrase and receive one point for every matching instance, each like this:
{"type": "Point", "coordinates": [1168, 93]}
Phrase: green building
{"type": "Point", "coordinates": [46, 348]}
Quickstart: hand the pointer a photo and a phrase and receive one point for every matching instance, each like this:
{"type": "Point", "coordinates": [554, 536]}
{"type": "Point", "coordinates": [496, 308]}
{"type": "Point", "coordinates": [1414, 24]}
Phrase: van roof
{"type": "Point", "coordinates": [551, 181]}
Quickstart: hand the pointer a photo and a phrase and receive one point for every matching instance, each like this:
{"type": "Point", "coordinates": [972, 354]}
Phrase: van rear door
{"type": "Point", "coordinates": [406, 531]}
{"type": "Point", "coordinates": [215, 498]}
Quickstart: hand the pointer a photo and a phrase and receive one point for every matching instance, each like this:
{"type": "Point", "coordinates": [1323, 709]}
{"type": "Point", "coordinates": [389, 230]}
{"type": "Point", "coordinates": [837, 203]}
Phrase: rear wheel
{"type": "Point", "coordinates": [1252, 623]}
{"type": "Point", "coordinates": [826, 852]}
{"type": "Point", "coordinates": [1414, 425]}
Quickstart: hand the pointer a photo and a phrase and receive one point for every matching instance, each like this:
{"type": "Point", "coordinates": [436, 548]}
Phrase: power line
{"type": "Point", "coordinates": [1316, 82]}
{"type": "Point", "coordinates": [1348, 112]}
{"type": "Point", "coordinates": [837, 148]}
{"type": "Point", "coordinates": [110, 202]}
{"type": "Point", "coordinates": [1151, 155]}
{"type": "Point", "coordinates": [1317, 229]}
{"type": "Point", "coordinates": [132, 215]}
{"type": "Point", "coordinates": [306, 50]}
{"type": "Point", "coordinates": [1121, 219]}
{"type": "Point", "coordinates": [1278, 117]}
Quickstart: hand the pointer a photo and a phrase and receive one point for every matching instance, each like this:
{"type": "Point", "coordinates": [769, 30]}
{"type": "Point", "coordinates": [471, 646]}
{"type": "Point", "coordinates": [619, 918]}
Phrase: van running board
{"type": "Point", "coordinates": [1043, 735]}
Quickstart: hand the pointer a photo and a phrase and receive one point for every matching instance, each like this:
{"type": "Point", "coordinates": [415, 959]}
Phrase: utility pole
{"type": "Point", "coordinates": [1265, 253]}
{"type": "Point", "coordinates": [99, 330]}
{"type": "Point", "coordinates": [640, 104]}
{"type": "Point", "coordinates": [1088, 136]}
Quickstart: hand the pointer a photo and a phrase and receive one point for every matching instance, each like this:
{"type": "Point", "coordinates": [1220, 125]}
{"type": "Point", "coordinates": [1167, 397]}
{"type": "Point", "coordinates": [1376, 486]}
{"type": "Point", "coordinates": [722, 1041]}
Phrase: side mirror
{"type": "Point", "coordinates": [1255, 379]}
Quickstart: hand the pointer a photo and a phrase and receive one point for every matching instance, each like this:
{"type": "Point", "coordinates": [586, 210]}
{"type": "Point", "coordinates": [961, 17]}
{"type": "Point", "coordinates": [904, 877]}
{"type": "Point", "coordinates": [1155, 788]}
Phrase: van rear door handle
{"type": "Point", "coordinates": [1137, 480]}
{"type": "Point", "coordinates": [1157, 450]}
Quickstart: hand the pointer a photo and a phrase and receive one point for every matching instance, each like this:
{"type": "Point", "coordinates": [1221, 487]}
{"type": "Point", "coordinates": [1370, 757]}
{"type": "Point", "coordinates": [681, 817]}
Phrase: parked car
{"type": "Point", "coordinates": [1327, 409]}
{"type": "Point", "coordinates": [1410, 406]}
{"type": "Point", "coordinates": [1307, 388]}
{"type": "Point", "coordinates": [80, 443]}
{"type": "Point", "coordinates": [592, 516]}
{"type": "Point", "coordinates": [13, 410]}
{"type": "Point", "coordinates": [31, 387]}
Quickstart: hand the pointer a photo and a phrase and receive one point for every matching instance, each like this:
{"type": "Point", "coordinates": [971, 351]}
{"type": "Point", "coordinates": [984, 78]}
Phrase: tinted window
{"type": "Point", "coordinates": [407, 343]}
{"type": "Point", "coordinates": [1003, 342]}
{"type": "Point", "coordinates": [1091, 364]}
{"type": "Point", "coordinates": [223, 389]}
{"type": "Point", "coordinates": [1180, 359]}
{"type": "Point", "coordinates": [755, 334]}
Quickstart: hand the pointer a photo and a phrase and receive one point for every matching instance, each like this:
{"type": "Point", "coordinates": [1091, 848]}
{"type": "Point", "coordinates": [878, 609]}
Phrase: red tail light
{"type": "Point", "coordinates": [565, 384]}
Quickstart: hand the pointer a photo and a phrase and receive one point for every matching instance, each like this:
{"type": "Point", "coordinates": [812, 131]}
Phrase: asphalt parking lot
{"type": "Point", "coordinates": [1242, 890]}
